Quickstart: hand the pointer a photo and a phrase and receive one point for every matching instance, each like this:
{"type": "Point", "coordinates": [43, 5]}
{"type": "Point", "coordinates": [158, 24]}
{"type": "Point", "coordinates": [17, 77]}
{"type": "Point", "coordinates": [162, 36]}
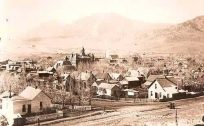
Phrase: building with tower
{"type": "Point", "coordinates": [82, 57]}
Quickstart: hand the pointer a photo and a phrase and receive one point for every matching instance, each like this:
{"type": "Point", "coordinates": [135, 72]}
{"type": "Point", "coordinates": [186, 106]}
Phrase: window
{"type": "Point", "coordinates": [23, 108]}
{"type": "Point", "coordinates": [155, 86]}
{"type": "Point", "coordinates": [151, 93]}
{"type": "Point", "coordinates": [41, 105]}
{"type": "Point", "coordinates": [160, 94]}
{"type": "Point", "coordinates": [176, 88]}
{"type": "Point", "coordinates": [84, 85]}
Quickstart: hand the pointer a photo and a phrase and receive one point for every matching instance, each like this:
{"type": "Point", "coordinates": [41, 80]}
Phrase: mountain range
{"type": "Point", "coordinates": [115, 32]}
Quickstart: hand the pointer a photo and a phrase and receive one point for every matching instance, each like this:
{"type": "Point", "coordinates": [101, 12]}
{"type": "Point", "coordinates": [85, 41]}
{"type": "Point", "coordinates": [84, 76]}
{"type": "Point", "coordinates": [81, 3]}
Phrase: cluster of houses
{"type": "Point", "coordinates": [101, 84]}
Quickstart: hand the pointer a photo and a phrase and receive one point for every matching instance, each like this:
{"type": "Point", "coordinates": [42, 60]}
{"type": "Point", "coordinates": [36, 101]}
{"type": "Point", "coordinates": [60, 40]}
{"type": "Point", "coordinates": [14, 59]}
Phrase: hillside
{"type": "Point", "coordinates": [95, 32]}
{"type": "Point", "coordinates": [186, 37]}
{"type": "Point", "coordinates": [114, 32]}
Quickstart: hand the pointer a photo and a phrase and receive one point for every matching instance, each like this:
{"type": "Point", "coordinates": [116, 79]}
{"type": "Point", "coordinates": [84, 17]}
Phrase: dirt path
{"type": "Point", "coordinates": [189, 112]}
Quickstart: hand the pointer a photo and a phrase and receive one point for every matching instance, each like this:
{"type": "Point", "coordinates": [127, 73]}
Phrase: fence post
{"type": "Point", "coordinates": [38, 121]}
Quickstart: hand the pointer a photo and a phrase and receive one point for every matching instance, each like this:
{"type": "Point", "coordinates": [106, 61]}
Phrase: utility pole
{"type": "Point", "coordinates": [176, 117]}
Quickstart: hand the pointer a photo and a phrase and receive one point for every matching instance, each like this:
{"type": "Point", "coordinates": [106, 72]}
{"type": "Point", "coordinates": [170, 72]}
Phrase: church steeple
{"type": "Point", "coordinates": [66, 58]}
{"type": "Point", "coordinates": [83, 52]}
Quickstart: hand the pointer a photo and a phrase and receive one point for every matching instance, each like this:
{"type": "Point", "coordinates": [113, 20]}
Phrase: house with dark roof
{"type": "Point", "coordinates": [150, 79]}
{"type": "Point", "coordinates": [162, 88]}
{"type": "Point", "coordinates": [130, 82]}
{"type": "Point", "coordinates": [65, 64]}
{"type": "Point", "coordinates": [102, 77]}
{"type": "Point", "coordinates": [44, 74]}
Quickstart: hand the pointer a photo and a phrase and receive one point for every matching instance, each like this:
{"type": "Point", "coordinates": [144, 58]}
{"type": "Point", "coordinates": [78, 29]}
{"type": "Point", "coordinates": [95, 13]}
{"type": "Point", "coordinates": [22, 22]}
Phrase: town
{"type": "Point", "coordinates": [52, 88]}
{"type": "Point", "coordinates": [101, 63]}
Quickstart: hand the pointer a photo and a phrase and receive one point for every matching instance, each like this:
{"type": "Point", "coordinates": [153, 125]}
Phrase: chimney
{"type": "Point", "coordinates": [10, 92]}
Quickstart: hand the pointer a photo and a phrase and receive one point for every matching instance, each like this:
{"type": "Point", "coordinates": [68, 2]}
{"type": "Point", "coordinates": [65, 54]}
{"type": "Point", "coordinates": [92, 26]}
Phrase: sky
{"type": "Point", "coordinates": [27, 14]}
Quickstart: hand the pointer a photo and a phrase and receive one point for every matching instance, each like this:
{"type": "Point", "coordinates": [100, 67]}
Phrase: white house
{"type": "Point", "coordinates": [162, 88]}
{"type": "Point", "coordinates": [108, 89]}
{"type": "Point", "coordinates": [30, 100]}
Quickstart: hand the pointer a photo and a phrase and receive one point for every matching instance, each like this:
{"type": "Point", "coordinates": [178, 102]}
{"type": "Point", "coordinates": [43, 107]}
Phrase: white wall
{"type": "Point", "coordinates": [157, 90]}
{"type": "Point", "coordinates": [7, 110]}
{"type": "Point", "coordinates": [101, 92]}
{"type": "Point", "coordinates": [167, 91]}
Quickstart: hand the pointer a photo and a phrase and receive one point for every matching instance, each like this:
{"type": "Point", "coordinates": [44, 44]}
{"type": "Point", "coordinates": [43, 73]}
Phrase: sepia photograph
{"type": "Point", "coordinates": [101, 62]}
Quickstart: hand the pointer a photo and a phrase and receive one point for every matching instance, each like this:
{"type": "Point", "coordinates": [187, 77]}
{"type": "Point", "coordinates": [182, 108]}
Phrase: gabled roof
{"type": "Point", "coordinates": [30, 93]}
{"type": "Point", "coordinates": [102, 75]}
{"type": "Point", "coordinates": [133, 73]}
{"type": "Point", "coordinates": [115, 76]}
{"type": "Point", "coordinates": [147, 83]}
{"type": "Point", "coordinates": [152, 78]}
{"type": "Point", "coordinates": [94, 84]}
{"type": "Point", "coordinates": [107, 86]}
{"type": "Point", "coordinates": [164, 82]}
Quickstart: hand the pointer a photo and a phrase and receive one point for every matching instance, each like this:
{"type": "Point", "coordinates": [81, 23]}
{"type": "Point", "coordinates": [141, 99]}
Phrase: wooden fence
{"type": "Point", "coordinates": [45, 117]}
{"type": "Point", "coordinates": [74, 107]}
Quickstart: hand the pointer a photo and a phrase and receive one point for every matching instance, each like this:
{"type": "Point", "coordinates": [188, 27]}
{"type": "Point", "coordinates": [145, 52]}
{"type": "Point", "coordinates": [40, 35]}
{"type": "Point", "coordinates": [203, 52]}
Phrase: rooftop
{"type": "Point", "coordinates": [151, 78]}
{"type": "Point", "coordinates": [107, 86]}
{"type": "Point", "coordinates": [30, 93]}
{"type": "Point", "coordinates": [131, 79]}
{"type": "Point", "coordinates": [165, 82]}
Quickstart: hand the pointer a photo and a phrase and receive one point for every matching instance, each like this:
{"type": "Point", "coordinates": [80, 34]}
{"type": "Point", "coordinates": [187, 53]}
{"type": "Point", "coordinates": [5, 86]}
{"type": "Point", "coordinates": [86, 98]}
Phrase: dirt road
{"type": "Point", "coordinates": [189, 112]}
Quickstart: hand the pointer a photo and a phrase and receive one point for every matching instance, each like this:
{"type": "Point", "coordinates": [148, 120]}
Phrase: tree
{"type": "Point", "coordinates": [16, 81]}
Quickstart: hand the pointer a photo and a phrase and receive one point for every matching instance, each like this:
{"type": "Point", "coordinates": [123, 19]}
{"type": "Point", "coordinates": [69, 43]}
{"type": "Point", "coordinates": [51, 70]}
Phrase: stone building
{"type": "Point", "coordinates": [82, 57]}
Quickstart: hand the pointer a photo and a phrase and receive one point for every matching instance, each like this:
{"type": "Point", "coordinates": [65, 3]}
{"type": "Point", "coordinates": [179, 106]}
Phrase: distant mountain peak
{"type": "Point", "coordinates": [195, 24]}
{"type": "Point", "coordinates": [105, 31]}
